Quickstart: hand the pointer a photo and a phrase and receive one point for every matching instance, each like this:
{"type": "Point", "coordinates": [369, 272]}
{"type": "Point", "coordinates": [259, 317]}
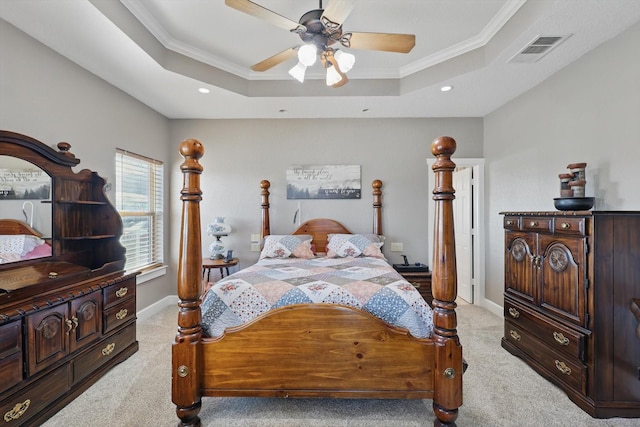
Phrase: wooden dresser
{"type": "Point", "coordinates": [65, 319]}
{"type": "Point", "coordinates": [570, 282]}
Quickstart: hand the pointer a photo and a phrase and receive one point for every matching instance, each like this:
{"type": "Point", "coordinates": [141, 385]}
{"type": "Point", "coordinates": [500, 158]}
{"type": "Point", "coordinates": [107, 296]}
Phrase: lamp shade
{"type": "Point", "coordinates": [333, 76]}
{"type": "Point", "coordinates": [307, 54]}
{"type": "Point", "coordinates": [218, 227]}
{"type": "Point", "coordinates": [345, 60]}
{"type": "Point", "coordinates": [297, 72]}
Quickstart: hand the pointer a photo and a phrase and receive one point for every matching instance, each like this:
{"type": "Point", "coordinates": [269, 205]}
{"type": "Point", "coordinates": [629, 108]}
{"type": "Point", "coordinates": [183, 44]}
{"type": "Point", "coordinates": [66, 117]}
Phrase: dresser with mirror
{"type": "Point", "coordinates": [67, 307]}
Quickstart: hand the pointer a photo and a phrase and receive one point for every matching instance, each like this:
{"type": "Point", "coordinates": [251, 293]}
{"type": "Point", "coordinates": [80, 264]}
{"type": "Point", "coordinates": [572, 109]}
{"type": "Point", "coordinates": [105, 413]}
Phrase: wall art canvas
{"type": "Point", "coordinates": [24, 184]}
{"type": "Point", "coordinates": [323, 182]}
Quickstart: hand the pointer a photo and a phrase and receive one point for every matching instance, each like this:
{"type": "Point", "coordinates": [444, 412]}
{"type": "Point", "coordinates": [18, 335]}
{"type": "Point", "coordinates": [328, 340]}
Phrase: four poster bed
{"type": "Point", "coordinates": [304, 346]}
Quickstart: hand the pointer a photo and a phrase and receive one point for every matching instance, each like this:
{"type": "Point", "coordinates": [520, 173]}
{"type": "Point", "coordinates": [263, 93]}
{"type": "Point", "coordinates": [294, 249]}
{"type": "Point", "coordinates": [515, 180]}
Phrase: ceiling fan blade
{"type": "Point", "coordinates": [338, 10]}
{"type": "Point", "coordinates": [258, 11]}
{"type": "Point", "coordinates": [276, 59]}
{"type": "Point", "coordinates": [401, 43]}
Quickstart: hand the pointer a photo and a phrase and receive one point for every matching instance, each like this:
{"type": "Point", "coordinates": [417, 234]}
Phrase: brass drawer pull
{"type": "Point", "coordinates": [516, 336]}
{"type": "Point", "coordinates": [562, 340]}
{"type": "Point", "coordinates": [416, 284]}
{"type": "Point", "coordinates": [509, 222]}
{"type": "Point", "coordinates": [121, 314]}
{"type": "Point", "coordinates": [565, 226]}
{"type": "Point", "coordinates": [562, 367]}
{"type": "Point", "coordinates": [108, 349]}
{"type": "Point", "coordinates": [71, 324]}
{"type": "Point", "coordinates": [514, 313]}
{"type": "Point", "coordinates": [18, 410]}
{"type": "Point", "coordinates": [533, 224]}
{"type": "Point", "coordinates": [121, 292]}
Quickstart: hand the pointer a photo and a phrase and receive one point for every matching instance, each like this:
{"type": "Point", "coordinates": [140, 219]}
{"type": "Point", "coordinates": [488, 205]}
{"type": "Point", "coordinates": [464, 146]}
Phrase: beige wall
{"type": "Point", "coordinates": [587, 112]}
{"type": "Point", "coordinates": [241, 153]}
{"type": "Point", "coordinates": [49, 98]}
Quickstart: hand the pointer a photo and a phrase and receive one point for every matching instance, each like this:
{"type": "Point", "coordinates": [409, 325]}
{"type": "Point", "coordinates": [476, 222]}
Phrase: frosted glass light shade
{"type": "Point", "coordinates": [307, 54]}
{"type": "Point", "coordinates": [333, 76]}
{"type": "Point", "coordinates": [345, 60]}
{"type": "Point", "coordinates": [297, 72]}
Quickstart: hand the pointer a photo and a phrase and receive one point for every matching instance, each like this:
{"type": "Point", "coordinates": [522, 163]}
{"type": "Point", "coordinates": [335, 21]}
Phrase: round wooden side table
{"type": "Point", "coordinates": [221, 264]}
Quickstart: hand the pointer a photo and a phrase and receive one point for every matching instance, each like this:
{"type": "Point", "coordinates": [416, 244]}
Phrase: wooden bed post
{"type": "Point", "coordinates": [184, 373]}
{"type": "Point", "coordinates": [448, 351]}
{"type": "Point", "coordinates": [266, 227]}
{"type": "Point", "coordinates": [377, 207]}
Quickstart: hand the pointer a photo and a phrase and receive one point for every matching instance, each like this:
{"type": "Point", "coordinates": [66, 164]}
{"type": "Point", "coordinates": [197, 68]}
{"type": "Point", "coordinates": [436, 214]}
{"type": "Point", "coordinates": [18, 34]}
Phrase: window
{"type": "Point", "coordinates": [139, 190]}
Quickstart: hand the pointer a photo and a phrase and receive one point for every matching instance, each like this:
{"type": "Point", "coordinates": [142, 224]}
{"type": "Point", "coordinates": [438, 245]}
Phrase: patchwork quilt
{"type": "Point", "coordinates": [366, 283]}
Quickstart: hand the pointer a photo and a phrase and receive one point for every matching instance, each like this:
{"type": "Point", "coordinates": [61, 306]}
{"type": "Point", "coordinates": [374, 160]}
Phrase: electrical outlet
{"type": "Point", "coordinates": [396, 247]}
{"type": "Point", "coordinates": [255, 247]}
{"type": "Point", "coordinates": [255, 237]}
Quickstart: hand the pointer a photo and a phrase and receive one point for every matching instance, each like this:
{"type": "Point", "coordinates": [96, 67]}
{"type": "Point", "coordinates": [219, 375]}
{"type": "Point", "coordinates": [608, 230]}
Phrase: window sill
{"type": "Point", "coordinates": [150, 274]}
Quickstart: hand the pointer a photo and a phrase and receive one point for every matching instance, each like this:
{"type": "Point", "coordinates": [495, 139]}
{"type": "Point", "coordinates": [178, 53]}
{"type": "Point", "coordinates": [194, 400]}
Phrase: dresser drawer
{"type": "Point", "coordinates": [511, 222]}
{"type": "Point", "coordinates": [570, 226]}
{"type": "Point", "coordinates": [569, 370]}
{"type": "Point", "coordinates": [119, 314]}
{"type": "Point", "coordinates": [534, 223]}
{"type": "Point", "coordinates": [115, 294]}
{"type": "Point", "coordinates": [21, 406]}
{"type": "Point", "coordinates": [555, 335]}
{"type": "Point", "coordinates": [103, 352]}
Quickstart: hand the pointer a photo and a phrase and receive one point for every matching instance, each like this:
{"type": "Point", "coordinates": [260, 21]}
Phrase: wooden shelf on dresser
{"type": "Point", "coordinates": [570, 282]}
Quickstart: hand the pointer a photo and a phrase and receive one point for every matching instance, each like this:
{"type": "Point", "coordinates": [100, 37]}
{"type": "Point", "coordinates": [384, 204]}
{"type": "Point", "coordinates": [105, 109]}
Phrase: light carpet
{"type": "Point", "coordinates": [499, 390]}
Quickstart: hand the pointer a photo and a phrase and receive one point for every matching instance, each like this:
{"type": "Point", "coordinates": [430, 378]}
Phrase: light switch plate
{"type": "Point", "coordinates": [255, 247]}
{"type": "Point", "coordinates": [396, 247]}
{"type": "Point", "coordinates": [255, 237]}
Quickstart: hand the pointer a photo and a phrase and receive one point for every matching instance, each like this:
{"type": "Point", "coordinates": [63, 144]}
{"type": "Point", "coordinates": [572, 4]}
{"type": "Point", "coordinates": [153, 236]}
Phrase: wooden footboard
{"type": "Point", "coordinates": [317, 350]}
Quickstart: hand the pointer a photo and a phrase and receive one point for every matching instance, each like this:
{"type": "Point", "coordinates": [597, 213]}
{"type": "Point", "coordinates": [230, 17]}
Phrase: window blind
{"type": "Point", "coordinates": [139, 200]}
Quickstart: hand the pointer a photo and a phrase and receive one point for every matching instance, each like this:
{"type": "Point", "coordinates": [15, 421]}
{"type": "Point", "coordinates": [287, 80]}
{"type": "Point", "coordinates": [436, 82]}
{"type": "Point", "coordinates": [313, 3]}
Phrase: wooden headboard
{"type": "Point", "coordinates": [15, 227]}
{"type": "Point", "coordinates": [319, 228]}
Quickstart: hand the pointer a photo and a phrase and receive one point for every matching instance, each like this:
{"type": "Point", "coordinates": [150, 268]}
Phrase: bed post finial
{"type": "Point", "coordinates": [448, 361]}
{"type": "Point", "coordinates": [266, 226]}
{"type": "Point", "coordinates": [184, 373]}
{"type": "Point", "coordinates": [377, 207]}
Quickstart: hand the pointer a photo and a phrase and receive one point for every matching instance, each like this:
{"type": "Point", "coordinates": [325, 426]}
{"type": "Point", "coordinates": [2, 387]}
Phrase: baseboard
{"type": "Point", "coordinates": [156, 307]}
{"type": "Point", "coordinates": [492, 307]}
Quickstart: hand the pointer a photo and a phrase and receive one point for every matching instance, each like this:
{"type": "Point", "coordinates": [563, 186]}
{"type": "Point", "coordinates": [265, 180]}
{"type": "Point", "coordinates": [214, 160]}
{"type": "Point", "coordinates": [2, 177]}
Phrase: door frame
{"type": "Point", "coordinates": [478, 220]}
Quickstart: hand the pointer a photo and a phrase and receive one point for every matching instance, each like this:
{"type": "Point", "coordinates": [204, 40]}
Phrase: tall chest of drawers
{"type": "Point", "coordinates": [570, 280]}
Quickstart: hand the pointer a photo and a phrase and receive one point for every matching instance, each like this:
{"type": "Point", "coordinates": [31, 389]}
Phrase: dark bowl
{"type": "Point", "coordinates": [573, 203]}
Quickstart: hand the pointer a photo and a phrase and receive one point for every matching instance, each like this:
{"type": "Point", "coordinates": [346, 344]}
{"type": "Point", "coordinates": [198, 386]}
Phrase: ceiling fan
{"type": "Point", "coordinates": [320, 29]}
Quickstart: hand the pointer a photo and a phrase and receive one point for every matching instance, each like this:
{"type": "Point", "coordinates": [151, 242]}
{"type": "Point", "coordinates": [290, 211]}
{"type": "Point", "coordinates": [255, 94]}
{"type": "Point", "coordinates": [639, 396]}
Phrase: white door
{"type": "Point", "coordinates": [463, 220]}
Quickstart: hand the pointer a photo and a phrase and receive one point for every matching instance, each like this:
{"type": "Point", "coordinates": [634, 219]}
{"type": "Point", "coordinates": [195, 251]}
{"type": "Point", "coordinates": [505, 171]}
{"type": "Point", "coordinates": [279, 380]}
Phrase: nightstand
{"type": "Point", "coordinates": [221, 264]}
{"type": "Point", "coordinates": [422, 281]}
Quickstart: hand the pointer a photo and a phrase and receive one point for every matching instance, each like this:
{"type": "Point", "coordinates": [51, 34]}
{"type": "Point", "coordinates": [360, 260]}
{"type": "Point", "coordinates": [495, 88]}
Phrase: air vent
{"type": "Point", "coordinates": [536, 49]}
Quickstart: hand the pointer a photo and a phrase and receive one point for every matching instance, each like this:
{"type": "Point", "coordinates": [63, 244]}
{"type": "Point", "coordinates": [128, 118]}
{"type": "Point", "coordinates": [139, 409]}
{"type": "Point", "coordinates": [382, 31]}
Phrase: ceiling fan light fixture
{"type": "Point", "coordinates": [333, 76]}
{"type": "Point", "coordinates": [345, 60]}
{"type": "Point", "coordinates": [307, 54]}
{"type": "Point", "coordinates": [297, 72]}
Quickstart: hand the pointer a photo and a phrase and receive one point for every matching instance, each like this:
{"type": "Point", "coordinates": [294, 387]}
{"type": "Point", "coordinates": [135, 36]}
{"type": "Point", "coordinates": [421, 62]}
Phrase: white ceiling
{"type": "Point", "coordinates": [162, 51]}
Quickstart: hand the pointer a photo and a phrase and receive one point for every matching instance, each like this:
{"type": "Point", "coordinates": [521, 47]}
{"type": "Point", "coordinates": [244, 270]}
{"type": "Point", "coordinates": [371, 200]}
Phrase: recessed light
{"type": "Point", "coordinates": [446, 88]}
{"type": "Point", "coordinates": [203, 90]}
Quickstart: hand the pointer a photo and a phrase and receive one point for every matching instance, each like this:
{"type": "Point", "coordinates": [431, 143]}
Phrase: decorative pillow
{"type": "Point", "coordinates": [354, 245]}
{"type": "Point", "coordinates": [287, 245]}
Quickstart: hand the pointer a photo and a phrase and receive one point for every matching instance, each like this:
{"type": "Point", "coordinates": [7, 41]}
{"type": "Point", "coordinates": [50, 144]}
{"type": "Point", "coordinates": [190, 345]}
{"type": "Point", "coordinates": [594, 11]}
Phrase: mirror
{"type": "Point", "coordinates": [25, 203]}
